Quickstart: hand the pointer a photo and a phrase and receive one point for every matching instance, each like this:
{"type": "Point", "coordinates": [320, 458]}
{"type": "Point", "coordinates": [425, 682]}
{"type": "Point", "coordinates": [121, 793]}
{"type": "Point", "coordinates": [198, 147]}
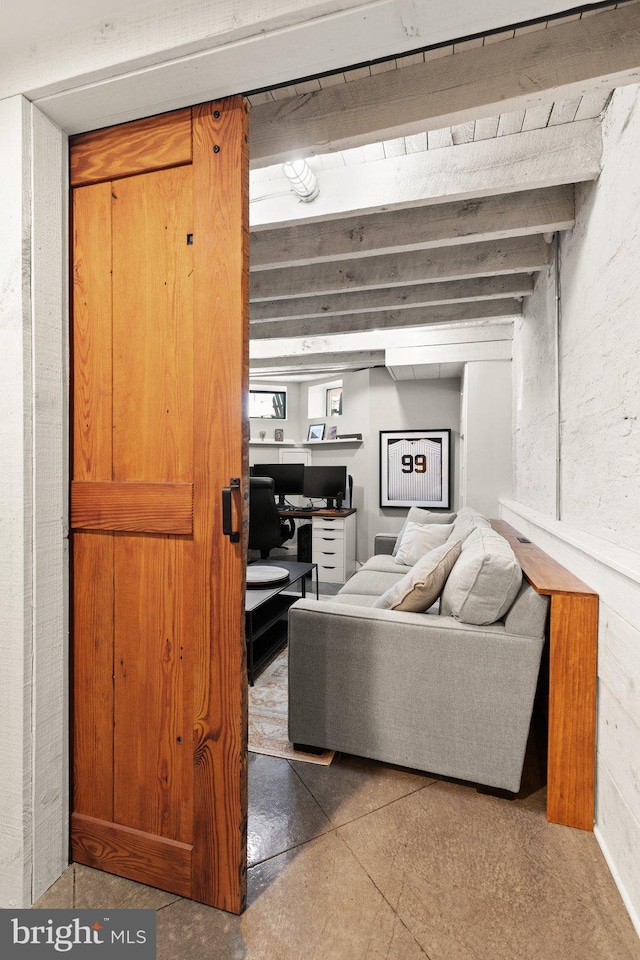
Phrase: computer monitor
{"type": "Point", "coordinates": [288, 478]}
{"type": "Point", "coordinates": [329, 483]}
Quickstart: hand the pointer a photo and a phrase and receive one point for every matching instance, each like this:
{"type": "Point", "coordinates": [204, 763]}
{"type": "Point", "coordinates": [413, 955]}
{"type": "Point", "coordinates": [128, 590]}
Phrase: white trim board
{"type": "Point", "coordinates": [164, 55]}
{"type": "Point", "coordinates": [634, 916]}
{"type": "Point", "coordinates": [620, 559]}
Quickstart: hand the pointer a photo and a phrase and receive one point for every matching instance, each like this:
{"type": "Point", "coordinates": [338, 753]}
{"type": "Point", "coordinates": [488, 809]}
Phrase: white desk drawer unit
{"type": "Point", "coordinates": [334, 547]}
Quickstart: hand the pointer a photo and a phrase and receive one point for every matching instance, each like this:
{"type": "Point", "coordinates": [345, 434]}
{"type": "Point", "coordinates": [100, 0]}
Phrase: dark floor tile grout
{"type": "Point", "coordinates": [390, 905]}
{"type": "Point", "coordinates": [294, 846]}
{"type": "Point", "coordinates": [309, 790]}
{"type": "Point", "coordinates": [337, 826]}
{"type": "Point", "coordinates": [165, 905]}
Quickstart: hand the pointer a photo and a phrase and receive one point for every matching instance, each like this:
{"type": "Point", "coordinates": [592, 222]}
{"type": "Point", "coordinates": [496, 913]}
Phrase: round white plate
{"type": "Point", "coordinates": [261, 575]}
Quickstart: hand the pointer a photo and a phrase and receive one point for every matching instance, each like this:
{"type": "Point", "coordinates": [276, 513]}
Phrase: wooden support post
{"type": "Point", "coordinates": [573, 638]}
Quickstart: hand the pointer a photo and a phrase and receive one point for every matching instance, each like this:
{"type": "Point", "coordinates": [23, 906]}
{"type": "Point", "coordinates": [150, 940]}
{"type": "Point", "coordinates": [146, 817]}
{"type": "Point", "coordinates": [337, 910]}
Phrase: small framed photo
{"type": "Point", "coordinates": [316, 431]}
{"type": "Point", "coordinates": [415, 468]}
{"type": "Point", "coordinates": [332, 432]}
{"type": "Point", "coordinates": [278, 434]}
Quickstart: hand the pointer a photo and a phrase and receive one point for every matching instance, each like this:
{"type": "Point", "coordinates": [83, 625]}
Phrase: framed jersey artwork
{"type": "Point", "coordinates": [415, 468]}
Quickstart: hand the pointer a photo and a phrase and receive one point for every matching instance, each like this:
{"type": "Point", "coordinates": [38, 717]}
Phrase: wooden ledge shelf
{"type": "Point", "coordinates": [301, 443]}
{"type": "Point", "coordinates": [573, 649]}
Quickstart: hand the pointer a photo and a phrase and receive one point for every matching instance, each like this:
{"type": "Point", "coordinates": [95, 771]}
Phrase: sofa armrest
{"type": "Point", "coordinates": [423, 692]}
{"type": "Point", "coordinates": [384, 543]}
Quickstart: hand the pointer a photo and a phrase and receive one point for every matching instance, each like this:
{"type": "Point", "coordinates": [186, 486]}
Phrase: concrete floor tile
{"type": "Point", "coordinates": [282, 812]}
{"type": "Point", "coordinates": [317, 903]}
{"type": "Point", "coordinates": [95, 888]}
{"type": "Point", "coordinates": [474, 876]}
{"type": "Point", "coordinates": [354, 786]}
{"type": "Point", "coordinates": [59, 896]}
{"type": "Point", "coordinates": [187, 930]}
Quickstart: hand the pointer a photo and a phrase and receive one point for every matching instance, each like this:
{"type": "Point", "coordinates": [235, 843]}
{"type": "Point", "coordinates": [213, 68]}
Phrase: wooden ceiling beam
{"type": "Point", "coordinates": [562, 63]}
{"type": "Point", "coordinates": [386, 320]}
{"type": "Point", "coordinates": [396, 298]}
{"type": "Point", "coordinates": [514, 255]}
{"type": "Point", "coordinates": [417, 228]}
{"type": "Point", "coordinates": [339, 361]}
{"type": "Point", "coordinates": [533, 160]}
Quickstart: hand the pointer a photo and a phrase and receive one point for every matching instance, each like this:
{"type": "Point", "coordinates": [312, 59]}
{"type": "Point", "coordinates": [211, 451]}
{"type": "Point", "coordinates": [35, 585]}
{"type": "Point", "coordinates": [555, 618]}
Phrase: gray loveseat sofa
{"type": "Point", "coordinates": [422, 690]}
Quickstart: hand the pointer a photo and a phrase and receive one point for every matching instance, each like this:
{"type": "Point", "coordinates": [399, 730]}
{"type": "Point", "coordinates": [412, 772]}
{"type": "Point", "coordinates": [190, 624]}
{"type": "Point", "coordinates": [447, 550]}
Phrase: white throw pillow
{"type": "Point", "coordinates": [485, 581]}
{"type": "Point", "coordinates": [421, 538]}
{"type": "Point", "coordinates": [420, 587]}
{"type": "Point", "coordinates": [420, 515]}
{"type": "Point", "coordinates": [466, 523]}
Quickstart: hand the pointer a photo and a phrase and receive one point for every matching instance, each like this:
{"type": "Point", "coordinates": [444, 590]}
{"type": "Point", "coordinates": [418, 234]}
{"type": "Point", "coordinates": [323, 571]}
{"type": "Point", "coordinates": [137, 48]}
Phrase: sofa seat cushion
{"type": "Point", "coordinates": [370, 583]}
{"type": "Point", "coordinates": [419, 588]}
{"type": "Point", "coordinates": [484, 581]}
{"type": "Point", "coordinates": [421, 538]}
{"type": "Point", "coordinates": [418, 515]}
{"type": "Point", "coordinates": [385, 563]}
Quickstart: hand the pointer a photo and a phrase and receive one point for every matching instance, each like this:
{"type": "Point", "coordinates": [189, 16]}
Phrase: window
{"type": "Point", "coordinates": [268, 404]}
{"type": "Point", "coordinates": [325, 400]}
{"type": "Point", "coordinates": [334, 402]}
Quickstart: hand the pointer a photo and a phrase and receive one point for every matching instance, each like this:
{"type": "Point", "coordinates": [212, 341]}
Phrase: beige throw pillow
{"type": "Point", "coordinates": [421, 538]}
{"type": "Point", "coordinates": [485, 581]}
{"type": "Point", "coordinates": [421, 587]}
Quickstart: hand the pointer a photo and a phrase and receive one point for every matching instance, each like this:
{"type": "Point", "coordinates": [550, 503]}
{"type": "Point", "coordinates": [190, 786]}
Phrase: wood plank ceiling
{"type": "Point", "coordinates": [441, 229]}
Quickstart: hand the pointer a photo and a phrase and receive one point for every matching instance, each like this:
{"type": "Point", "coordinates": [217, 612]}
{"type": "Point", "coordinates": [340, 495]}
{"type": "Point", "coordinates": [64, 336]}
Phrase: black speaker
{"type": "Point", "coordinates": [304, 543]}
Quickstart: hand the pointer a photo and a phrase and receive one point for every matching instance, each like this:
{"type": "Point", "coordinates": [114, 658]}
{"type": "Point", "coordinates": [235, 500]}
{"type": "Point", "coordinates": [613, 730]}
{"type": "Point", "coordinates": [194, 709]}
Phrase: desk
{"type": "Point", "coordinates": [333, 542]}
{"type": "Point", "coordinates": [298, 514]}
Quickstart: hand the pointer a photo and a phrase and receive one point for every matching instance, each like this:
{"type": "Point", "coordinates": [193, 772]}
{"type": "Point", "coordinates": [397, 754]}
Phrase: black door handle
{"type": "Point", "coordinates": [227, 524]}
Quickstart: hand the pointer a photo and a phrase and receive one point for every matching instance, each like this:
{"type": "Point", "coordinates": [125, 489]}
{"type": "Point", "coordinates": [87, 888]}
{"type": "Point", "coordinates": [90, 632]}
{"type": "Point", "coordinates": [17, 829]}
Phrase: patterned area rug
{"type": "Point", "coordinates": [268, 716]}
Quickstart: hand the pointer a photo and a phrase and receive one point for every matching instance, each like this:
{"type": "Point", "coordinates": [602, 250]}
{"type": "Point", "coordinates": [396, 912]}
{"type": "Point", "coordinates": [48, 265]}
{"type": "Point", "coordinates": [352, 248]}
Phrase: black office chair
{"type": "Point", "coordinates": [267, 529]}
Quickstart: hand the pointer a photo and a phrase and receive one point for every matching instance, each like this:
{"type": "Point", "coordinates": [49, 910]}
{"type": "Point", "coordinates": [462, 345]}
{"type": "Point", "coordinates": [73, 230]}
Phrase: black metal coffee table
{"type": "Point", "coordinates": [266, 614]}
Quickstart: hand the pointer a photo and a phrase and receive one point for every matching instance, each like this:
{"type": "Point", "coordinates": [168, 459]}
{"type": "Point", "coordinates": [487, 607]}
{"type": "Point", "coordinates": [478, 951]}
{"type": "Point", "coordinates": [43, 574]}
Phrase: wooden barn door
{"type": "Point", "coordinates": [160, 333]}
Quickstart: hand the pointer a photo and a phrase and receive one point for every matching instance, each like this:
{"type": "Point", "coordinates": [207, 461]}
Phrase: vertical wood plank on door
{"type": "Point", "coordinates": [221, 322]}
{"type": "Point", "coordinates": [93, 674]}
{"type": "Point", "coordinates": [153, 698]}
{"type": "Point", "coordinates": [153, 327]}
{"type": "Point", "coordinates": [153, 441]}
{"type": "Point", "coordinates": [92, 552]}
{"type": "Point", "coordinates": [92, 333]}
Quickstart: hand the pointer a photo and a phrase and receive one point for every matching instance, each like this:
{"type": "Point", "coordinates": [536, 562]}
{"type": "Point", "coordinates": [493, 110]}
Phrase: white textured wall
{"type": "Point", "coordinates": [50, 340]}
{"type": "Point", "coordinates": [534, 398]}
{"type": "Point", "coordinates": [600, 341]}
{"type": "Point", "coordinates": [487, 441]}
{"type": "Point", "coordinates": [599, 529]}
{"type": "Point", "coordinates": [17, 507]}
{"type": "Point", "coordinates": [33, 485]}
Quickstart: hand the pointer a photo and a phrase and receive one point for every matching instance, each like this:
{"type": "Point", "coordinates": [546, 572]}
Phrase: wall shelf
{"type": "Point", "coordinates": [325, 443]}
{"type": "Point", "coordinates": [300, 443]}
{"type": "Point", "coordinates": [272, 443]}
